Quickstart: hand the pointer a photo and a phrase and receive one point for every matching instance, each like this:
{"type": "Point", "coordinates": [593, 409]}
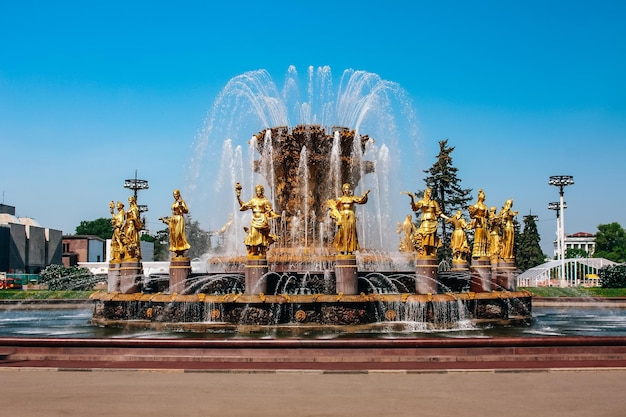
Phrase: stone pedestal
{"type": "Point", "coordinates": [130, 275]}
{"type": "Point", "coordinates": [256, 270]}
{"type": "Point", "coordinates": [180, 269]}
{"type": "Point", "coordinates": [113, 278]}
{"type": "Point", "coordinates": [426, 273]}
{"type": "Point", "coordinates": [505, 276]}
{"type": "Point", "coordinates": [480, 273]}
{"type": "Point", "coordinates": [346, 275]}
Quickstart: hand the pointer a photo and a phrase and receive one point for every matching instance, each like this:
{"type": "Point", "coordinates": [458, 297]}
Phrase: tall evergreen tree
{"type": "Point", "coordinates": [528, 253]}
{"type": "Point", "coordinates": [447, 191]}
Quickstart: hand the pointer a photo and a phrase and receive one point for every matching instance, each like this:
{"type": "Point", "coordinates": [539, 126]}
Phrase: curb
{"type": "Point", "coordinates": [318, 371]}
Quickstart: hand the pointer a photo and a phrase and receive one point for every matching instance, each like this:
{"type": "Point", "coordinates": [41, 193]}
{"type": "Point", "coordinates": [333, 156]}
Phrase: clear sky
{"type": "Point", "coordinates": [92, 91]}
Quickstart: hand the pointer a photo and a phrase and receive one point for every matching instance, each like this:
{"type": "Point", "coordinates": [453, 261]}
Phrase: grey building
{"type": "Point", "coordinates": [25, 246]}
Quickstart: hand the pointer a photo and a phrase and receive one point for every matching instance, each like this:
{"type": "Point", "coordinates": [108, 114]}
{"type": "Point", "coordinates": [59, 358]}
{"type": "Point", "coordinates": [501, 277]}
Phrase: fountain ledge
{"type": "Point", "coordinates": [307, 298]}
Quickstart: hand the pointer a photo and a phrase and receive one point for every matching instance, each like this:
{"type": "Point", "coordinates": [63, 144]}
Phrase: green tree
{"type": "Point", "coordinates": [611, 242]}
{"type": "Point", "coordinates": [198, 239]}
{"type": "Point", "coordinates": [572, 253]}
{"type": "Point", "coordinates": [447, 191]}
{"type": "Point", "coordinates": [528, 253]}
{"type": "Point", "coordinates": [100, 227]}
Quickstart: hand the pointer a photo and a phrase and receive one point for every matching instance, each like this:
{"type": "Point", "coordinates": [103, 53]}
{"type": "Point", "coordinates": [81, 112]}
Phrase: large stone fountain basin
{"type": "Point", "coordinates": [308, 313]}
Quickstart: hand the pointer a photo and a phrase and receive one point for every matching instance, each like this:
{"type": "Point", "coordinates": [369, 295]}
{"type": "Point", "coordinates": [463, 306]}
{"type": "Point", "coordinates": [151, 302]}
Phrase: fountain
{"type": "Point", "coordinates": [319, 258]}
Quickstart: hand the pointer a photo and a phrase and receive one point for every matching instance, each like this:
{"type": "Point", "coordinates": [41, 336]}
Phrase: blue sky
{"type": "Point", "coordinates": [89, 93]}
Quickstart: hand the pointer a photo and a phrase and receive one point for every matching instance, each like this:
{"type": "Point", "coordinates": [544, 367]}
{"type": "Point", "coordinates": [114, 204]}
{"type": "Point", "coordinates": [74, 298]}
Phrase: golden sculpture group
{"type": "Point", "coordinates": [493, 232]}
{"type": "Point", "coordinates": [259, 237]}
{"type": "Point", "coordinates": [125, 242]}
{"type": "Point", "coordinates": [127, 225]}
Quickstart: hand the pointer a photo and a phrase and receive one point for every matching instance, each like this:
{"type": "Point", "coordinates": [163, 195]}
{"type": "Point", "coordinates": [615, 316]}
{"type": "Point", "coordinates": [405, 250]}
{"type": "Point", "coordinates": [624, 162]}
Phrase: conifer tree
{"type": "Point", "coordinates": [528, 253]}
{"type": "Point", "coordinates": [447, 191]}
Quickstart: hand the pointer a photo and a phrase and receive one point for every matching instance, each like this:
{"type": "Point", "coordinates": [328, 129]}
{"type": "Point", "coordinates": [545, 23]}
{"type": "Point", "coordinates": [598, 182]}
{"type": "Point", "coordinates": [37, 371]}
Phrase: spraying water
{"type": "Point", "coordinates": [364, 118]}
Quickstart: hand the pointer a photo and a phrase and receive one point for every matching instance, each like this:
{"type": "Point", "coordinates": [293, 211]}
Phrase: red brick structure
{"type": "Point", "coordinates": [83, 248]}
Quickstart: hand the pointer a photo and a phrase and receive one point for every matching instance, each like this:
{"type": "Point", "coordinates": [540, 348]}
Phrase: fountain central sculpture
{"type": "Point", "coordinates": [304, 266]}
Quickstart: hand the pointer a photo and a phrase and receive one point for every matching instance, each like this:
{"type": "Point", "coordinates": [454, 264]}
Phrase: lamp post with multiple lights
{"type": "Point", "coordinates": [561, 181]}
{"type": "Point", "coordinates": [137, 185]}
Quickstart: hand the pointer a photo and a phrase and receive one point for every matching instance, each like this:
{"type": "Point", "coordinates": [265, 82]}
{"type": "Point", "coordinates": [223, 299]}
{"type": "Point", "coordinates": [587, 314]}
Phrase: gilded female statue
{"type": "Point", "coordinates": [259, 237]}
{"type": "Point", "coordinates": [407, 229]}
{"type": "Point", "coordinates": [117, 240]}
{"type": "Point", "coordinates": [342, 211]}
{"type": "Point", "coordinates": [508, 230]}
{"type": "Point", "coordinates": [494, 246]}
{"type": "Point", "coordinates": [478, 214]}
{"type": "Point", "coordinates": [131, 231]}
{"type": "Point", "coordinates": [176, 223]}
{"type": "Point", "coordinates": [425, 237]}
{"type": "Point", "coordinates": [458, 242]}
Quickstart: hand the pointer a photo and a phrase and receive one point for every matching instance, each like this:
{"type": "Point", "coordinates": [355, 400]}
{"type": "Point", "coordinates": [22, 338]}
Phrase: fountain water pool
{"type": "Point", "coordinates": [546, 321]}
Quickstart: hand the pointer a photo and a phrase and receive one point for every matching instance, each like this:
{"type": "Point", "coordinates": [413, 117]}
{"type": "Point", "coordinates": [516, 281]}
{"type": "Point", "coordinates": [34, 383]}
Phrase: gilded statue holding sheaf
{"type": "Point", "coordinates": [342, 211]}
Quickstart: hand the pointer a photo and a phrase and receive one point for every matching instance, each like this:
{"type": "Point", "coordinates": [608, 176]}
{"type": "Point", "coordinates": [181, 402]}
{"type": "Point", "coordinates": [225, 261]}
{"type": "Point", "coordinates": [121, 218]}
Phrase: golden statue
{"type": "Point", "coordinates": [458, 242]}
{"type": "Point", "coordinates": [494, 246]}
{"type": "Point", "coordinates": [226, 226]}
{"type": "Point", "coordinates": [425, 237]}
{"type": "Point", "coordinates": [478, 214]}
{"type": "Point", "coordinates": [117, 240]}
{"type": "Point", "coordinates": [176, 223]}
{"type": "Point", "coordinates": [259, 237]}
{"type": "Point", "coordinates": [407, 228]}
{"type": "Point", "coordinates": [508, 230]}
{"type": "Point", "coordinates": [342, 211]}
{"type": "Point", "coordinates": [132, 226]}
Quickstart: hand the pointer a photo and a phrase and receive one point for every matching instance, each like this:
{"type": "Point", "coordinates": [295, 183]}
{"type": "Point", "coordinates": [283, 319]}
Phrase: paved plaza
{"type": "Point", "coordinates": [29, 392]}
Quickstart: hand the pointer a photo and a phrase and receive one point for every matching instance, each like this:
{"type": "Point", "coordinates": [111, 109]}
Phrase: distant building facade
{"type": "Point", "coordinates": [580, 240]}
{"type": "Point", "coordinates": [83, 248]}
{"type": "Point", "coordinates": [25, 246]}
{"type": "Point", "coordinates": [88, 248]}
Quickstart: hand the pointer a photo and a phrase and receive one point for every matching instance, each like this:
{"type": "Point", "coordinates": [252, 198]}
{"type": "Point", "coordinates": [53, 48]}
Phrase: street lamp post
{"type": "Point", "coordinates": [561, 181]}
{"type": "Point", "coordinates": [137, 185]}
{"type": "Point", "coordinates": [555, 205]}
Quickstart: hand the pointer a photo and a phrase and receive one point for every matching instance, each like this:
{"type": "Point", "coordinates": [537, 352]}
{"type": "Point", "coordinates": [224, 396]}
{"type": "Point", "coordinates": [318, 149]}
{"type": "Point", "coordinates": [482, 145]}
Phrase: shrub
{"type": "Point", "coordinates": [59, 277]}
{"type": "Point", "coordinates": [613, 276]}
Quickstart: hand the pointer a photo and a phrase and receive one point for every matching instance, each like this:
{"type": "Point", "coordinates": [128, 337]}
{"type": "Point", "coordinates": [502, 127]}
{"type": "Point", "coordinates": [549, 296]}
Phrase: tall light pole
{"type": "Point", "coordinates": [561, 181]}
{"type": "Point", "coordinates": [556, 206]}
{"type": "Point", "coordinates": [137, 185]}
